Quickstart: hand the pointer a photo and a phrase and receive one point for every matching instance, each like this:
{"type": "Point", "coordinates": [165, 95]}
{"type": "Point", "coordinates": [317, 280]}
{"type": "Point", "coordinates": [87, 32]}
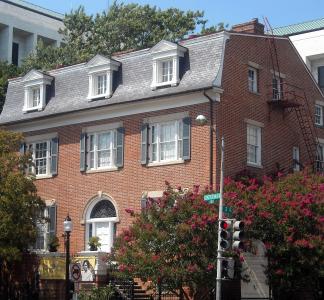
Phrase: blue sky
{"type": "Point", "coordinates": [278, 12]}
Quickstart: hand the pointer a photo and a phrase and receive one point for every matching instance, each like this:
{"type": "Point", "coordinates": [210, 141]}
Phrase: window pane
{"type": "Point", "coordinates": [101, 84]}
{"type": "Point", "coordinates": [252, 80]}
{"type": "Point", "coordinates": [104, 140]}
{"type": "Point", "coordinates": [167, 70]}
{"type": "Point", "coordinates": [40, 158]}
{"type": "Point", "coordinates": [320, 71]}
{"type": "Point", "coordinates": [104, 158]}
{"type": "Point", "coordinates": [36, 97]}
{"type": "Point", "coordinates": [168, 141]}
{"type": "Point", "coordinates": [318, 115]}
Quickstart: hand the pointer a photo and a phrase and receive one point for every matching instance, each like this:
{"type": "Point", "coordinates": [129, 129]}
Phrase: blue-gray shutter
{"type": "Point", "coordinates": [186, 138]}
{"type": "Point", "coordinates": [52, 220]}
{"type": "Point", "coordinates": [120, 147]}
{"type": "Point", "coordinates": [83, 138]}
{"type": "Point", "coordinates": [54, 155]}
{"type": "Point", "coordinates": [144, 143]}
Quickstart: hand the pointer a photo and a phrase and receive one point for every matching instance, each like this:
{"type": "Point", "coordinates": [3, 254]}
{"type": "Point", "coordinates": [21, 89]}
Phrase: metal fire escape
{"type": "Point", "coordinates": [289, 98]}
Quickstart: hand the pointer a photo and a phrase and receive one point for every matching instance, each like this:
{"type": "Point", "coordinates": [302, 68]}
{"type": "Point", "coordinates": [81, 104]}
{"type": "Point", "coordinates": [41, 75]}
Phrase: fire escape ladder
{"type": "Point", "coordinates": [307, 129]}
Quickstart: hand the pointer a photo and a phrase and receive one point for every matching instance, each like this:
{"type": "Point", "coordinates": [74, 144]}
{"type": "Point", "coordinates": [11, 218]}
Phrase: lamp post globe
{"type": "Point", "coordinates": [201, 120]}
{"type": "Point", "coordinates": [67, 224]}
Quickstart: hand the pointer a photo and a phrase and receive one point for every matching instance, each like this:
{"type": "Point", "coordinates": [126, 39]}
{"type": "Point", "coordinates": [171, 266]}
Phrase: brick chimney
{"type": "Point", "coordinates": [252, 26]}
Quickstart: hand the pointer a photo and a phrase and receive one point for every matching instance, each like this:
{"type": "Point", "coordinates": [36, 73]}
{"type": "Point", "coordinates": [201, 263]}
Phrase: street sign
{"type": "Point", "coordinates": [212, 197]}
{"type": "Point", "coordinates": [227, 209]}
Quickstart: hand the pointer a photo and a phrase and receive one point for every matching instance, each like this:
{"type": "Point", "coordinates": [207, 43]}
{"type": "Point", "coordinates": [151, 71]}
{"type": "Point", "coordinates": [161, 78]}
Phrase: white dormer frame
{"type": "Point", "coordinates": [162, 52]}
{"type": "Point", "coordinates": [35, 80]}
{"type": "Point", "coordinates": [98, 66]}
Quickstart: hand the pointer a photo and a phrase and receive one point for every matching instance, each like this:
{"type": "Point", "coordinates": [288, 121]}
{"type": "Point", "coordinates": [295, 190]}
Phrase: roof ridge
{"type": "Point", "coordinates": [38, 8]}
{"type": "Point", "coordinates": [319, 19]}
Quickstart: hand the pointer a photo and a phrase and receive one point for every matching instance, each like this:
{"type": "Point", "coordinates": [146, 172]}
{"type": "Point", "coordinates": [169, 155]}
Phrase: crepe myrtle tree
{"type": "Point", "coordinates": [172, 243]}
{"type": "Point", "coordinates": [287, 215]}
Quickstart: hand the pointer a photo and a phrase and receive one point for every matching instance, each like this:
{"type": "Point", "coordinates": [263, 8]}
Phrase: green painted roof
{"type": "Point", "coordinates": [300, 27]}
{"type": "Point", "coordinates": [36, 8]}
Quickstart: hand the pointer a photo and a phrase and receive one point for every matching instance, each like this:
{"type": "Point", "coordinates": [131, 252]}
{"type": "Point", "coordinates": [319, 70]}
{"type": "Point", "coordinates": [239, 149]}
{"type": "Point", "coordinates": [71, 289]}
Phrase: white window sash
{"type": "Point", "coordinates": [177, 140]}
{"type": "Point", "coordinates": [96, 150]}
{"type": "Point", "coordinates": [256, 145]}
{"type": "Point", "coordinates": [32, 169]}
{"type": "Point", "coordinates": [318, 115]}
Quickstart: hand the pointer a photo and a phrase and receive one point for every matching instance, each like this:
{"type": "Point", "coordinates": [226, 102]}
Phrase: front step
{"type": "Point", "coordinates": [138, 292]}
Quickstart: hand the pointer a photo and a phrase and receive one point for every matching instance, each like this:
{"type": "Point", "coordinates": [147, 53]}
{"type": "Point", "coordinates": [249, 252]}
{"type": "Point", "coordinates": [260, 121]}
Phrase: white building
{"type": "Point", "coordinates": [308, 38]}
{"type": "Point", "coordinates": [22, 25]}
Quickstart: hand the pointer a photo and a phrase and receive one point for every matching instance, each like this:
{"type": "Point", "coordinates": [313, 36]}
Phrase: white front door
{"type": "Point", "coordinates": [103, 233]}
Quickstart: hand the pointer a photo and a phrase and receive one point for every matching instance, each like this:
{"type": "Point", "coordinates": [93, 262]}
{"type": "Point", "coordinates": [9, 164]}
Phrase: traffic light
{"type": "Point", "coordinates": [238, 235]}
{"type": "Point", "coordinates": [228, 265]}
{"type": "Point", "coordinates": [225, 234]}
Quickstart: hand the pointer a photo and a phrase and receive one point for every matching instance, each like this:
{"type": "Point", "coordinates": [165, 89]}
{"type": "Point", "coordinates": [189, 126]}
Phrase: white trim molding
{"type": "Point", "coordinates": [109, 112]}
{"type": "Point", "coordinates": [254, 123]}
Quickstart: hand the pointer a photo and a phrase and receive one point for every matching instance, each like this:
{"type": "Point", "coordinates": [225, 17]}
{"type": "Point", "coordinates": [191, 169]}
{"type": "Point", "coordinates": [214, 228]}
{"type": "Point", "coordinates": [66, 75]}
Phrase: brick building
{"type": "Point", "coordinates": [107, 133]}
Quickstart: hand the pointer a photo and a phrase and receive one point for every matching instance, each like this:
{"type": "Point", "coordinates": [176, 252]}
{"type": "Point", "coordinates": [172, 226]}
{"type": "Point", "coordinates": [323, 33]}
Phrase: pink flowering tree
{"type": "Point", "coordinates": [173, 242]}
{"type": "Point", "coordinates": [287, 215]}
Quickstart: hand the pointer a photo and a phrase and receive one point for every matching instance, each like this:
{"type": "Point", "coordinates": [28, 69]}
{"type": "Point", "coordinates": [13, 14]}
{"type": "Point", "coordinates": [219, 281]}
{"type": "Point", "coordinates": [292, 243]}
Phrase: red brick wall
{"type": "Point", "coordinates": [281, 130]}
{"type": "Point", "coordinates": [72, 189]}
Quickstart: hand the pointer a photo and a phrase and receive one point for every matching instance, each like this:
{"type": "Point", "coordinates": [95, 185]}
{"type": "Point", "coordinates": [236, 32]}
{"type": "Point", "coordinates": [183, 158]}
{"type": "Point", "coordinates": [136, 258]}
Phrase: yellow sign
{"type": "Point", "coordinates": [53, 267]}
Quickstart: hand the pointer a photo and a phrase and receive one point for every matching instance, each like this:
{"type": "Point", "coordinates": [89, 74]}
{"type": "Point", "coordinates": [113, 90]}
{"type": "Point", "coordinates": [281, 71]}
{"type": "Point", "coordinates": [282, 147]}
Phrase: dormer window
{"type": "Point", "coordinates": [166, 64]}
{"type": "Point", "coordinates": [35, 83]}
{"type": "Point", "coordinates": [101, 74]}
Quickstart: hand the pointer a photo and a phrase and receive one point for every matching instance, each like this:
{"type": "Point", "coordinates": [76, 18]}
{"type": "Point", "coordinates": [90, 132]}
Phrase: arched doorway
{"type": "Point", "coordinates": [101, 219]}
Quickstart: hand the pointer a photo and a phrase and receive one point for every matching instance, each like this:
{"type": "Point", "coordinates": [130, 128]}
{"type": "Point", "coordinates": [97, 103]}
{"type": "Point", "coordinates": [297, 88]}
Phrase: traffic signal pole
{"type": "Point", "coordinates": [220, 216]}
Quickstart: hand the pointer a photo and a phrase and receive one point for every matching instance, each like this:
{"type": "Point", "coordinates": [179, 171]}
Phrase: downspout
{"type": "Point", "coordinates": [211, 144]}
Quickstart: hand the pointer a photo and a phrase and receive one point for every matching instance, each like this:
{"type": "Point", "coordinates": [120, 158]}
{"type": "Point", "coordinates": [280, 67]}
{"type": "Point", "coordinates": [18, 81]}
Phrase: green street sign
{"type": "Point", "coordinates": [212, 197]}
{"type": "Point", "coordinates": [227, 209]}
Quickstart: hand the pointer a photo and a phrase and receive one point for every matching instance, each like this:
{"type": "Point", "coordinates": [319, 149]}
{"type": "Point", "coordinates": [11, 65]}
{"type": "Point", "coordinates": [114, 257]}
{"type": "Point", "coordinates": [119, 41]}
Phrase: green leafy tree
{"type": "Point", "coordinates": [287, 216]}
{"type": "Point", "coordinates": [20, 207]}
{"type": "Point", "coordinates": [172, 243]}
{"type": "Point", "coordinates": [6, 71]}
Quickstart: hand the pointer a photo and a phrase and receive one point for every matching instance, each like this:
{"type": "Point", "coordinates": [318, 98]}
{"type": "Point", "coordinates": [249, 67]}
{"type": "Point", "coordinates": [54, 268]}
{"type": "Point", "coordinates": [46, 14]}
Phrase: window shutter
{"type": "Point", "coordinates": [186, 138]}
{"type": "Point", "coordinates": [321, 76]}
{"type": "Point", "coordinates": [120, 147]}
{"type": "Point", "coordinates": [54, 155]}
{"type": "Point", "coordinates": [144, 144]}
{"type": "Point", "coordinates": [83, 152]}
{"type": "Point", "coordinates": [52, 220]}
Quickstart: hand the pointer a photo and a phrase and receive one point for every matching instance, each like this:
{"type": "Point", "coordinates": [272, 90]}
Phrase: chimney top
{"type": "Point", "coordinates": [252, 26]}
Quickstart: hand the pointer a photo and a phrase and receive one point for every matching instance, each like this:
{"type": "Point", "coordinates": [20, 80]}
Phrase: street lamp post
{"type": "Point", "coordinates": [202, 120]}
{"type": "Point", "coordinates": [67, 229]}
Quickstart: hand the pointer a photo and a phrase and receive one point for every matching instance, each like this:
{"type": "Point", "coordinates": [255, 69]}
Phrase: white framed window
{"type": "Point", "coordinates": [101, 73]}
{"type": "Point", "coordinates": [318, 115]}
{"type": "Point", "coordinates": [296, 159]}
{"type": "Point", "coordinates": [319, 164]}
{"type": "Point", "coordinates": [44, 155]}
{"type": "Point", "coordinates": [253, 80]}
{"type": "Point", "coordinates": [46, 229]}
{"type": "Point", "coordinates": [35, 84]}
{"type": "Point", "coordinates": [277, 88]}
{"type": "Point", "coordinates": [166, 141]}
{"type": "Point", "coordinates": [166, 64]}
{"type": "Point", "coordinates": [41, 156]}
{"type": "Point", "coordinates": [253, 145]}
{"type": "Point", "coordinates": [102, 150]}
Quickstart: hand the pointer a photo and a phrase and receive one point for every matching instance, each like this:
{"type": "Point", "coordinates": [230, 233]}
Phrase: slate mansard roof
{"type": "Point", "coordinates": [200, 68]}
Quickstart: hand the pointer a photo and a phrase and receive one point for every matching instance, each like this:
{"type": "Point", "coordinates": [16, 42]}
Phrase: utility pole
{"type": "Point", "coordinates": [220, 216]}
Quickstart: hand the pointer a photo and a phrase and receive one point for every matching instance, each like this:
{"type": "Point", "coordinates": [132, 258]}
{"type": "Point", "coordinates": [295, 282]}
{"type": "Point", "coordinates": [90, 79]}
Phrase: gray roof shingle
{"type": "Point", "coordinates": [70, 90]}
